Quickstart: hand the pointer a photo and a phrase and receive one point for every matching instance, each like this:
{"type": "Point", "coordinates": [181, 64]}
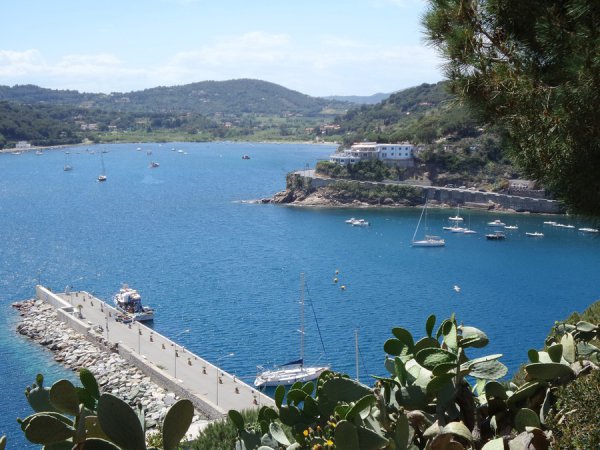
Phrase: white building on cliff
{"type": "Point", "coordinates": [402, 153]}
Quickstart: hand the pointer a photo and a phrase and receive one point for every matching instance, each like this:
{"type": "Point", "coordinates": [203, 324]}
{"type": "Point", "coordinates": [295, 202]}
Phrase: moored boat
{"type": "Point", "coordinates": [428, 241]}
{"type": "Point", "coordinates": [289, 373]}
{"type": "Point", "coordinates": [496, 223]}
{"type": "Point", "coordinates": [496, 236]}
{"type": "Point", "coordinates": [457, 217]}
{"type": "Point", "coordinates": [129, 302]}
{"type": "Point", "coordinates": [589, 230]}
{"type": "Point", "coordinates": [292, 371]}
{"type": "Point", "coordinates": [534, 234]}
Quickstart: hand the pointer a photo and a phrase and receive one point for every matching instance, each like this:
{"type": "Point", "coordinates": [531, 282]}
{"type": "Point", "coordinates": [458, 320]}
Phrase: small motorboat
{"type": "Point", "coordinates": [496, 223]}
{"type": "Point", "coordinates": [511, 227]}
{"type": "Point", "coordinates": [154, 164]}
{"type": "Point", "coordinates": [534, 234]}
{"type": "Point", "coordinates": [360, 223]}
{"type": "Point", "coordinates": [245, 157]}
{"type": "Point", "coordinates": [496, 236]}
{"type": "Point", "coordinates": [589, 230]}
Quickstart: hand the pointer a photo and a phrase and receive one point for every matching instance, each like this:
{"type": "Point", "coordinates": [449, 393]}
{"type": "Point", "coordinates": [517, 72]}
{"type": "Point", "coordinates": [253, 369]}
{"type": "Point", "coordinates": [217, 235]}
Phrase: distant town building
{"type": "Point", "coordinates": [22, 145]}
{"type": "Point", "coordinates": [399, 152]}
{"type": "Point", "coordinates": [329, 128]}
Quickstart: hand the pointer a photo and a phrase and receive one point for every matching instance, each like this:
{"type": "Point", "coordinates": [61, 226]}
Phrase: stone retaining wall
{"type": "Point", "coordinates": [450, 196]}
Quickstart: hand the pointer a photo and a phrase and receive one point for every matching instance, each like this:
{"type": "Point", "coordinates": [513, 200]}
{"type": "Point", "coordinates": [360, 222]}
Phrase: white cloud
{"type": "Point", "coordinates": [330, 65]}
{"type": "Point", "coordinates": [13, 63]}
{"type": "Point", "coordinates": [248, 48]}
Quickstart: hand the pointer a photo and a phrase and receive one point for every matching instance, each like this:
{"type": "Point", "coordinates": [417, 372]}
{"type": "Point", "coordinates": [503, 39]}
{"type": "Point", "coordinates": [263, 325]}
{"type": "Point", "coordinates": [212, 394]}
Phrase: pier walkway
{"type": "Point", "coordinates": [170, 365]}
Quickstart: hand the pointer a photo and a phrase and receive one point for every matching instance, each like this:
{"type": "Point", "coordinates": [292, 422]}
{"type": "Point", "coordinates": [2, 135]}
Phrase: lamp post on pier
{"type": "Point", "coordinates": [187, 330]}
{"type": "Point", "coordinates": [217, 370]}
{"type": "Point", "coordinates": [139, 338]}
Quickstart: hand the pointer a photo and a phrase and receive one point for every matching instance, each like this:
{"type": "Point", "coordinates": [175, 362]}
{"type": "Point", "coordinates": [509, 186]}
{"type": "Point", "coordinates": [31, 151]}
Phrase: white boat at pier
{"type": "Point", "coordinates": [129, 302]}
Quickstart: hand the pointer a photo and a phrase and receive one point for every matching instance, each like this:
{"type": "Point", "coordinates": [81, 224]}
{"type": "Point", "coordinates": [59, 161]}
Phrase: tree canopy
{"type": "Point", "coordinates": [534, 68]}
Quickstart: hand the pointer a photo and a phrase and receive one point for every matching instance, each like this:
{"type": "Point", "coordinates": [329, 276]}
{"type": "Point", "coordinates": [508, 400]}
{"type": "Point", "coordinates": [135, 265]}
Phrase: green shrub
{"type": "Point", "coordinates": [221, 435]}
{"type": "Point", "coordinates": [575, 422]}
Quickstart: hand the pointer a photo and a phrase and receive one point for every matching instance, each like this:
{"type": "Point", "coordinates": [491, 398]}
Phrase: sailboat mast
{"type": "Point", "coordinates": [302, 318]}
{"type": "Point", "coordinates": [419, 223]}
{"type": "Point", "coordinates": [356, 351]}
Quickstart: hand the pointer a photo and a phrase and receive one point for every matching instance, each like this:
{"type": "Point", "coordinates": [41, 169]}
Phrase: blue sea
{"type": "Point", "coordinates": [224, 274]}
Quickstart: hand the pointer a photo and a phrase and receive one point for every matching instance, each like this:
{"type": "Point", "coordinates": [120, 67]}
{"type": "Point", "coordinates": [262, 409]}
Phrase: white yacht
{"type": "Point", "coordinates": [496, 223]}
{"type": "Point", "coordinates": [589, 230]}
{"type": "Point", "coordinates": [129, 302]}
{"type": "Point", "coordinates": [292, 371]}
{"type": "Point", "coordinates": [428, 241]}
{"type": "Point", "coordinates": [288, 374]}
{"type": "Point", "coordinates": [360, 223]}
{"type": "Point", "coordinates": [534, 234]}
{"type": "Point", "coordinates": [455, 228]}
{"type": "Point", "coordinates": [457, 217]}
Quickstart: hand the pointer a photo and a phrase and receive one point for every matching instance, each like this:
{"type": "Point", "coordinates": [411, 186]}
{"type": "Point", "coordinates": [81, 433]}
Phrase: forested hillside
{"type": "Point", "coordinates": [420, 114]}
{"type": "Point", "coordinates": [242, 96]}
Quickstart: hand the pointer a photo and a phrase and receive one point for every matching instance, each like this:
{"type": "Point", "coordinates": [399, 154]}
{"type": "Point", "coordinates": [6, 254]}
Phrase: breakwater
{"type": "Point", "coordinates": [40, 323]}
{"type": "Point", "coordinates": [178, 372]}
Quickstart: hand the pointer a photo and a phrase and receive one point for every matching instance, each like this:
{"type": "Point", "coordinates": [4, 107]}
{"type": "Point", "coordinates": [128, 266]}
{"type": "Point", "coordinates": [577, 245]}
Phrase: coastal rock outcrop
{"type": "Point", "coordinates": [39, 323]}
{"type": "Point", "coordinates": [329, 197]}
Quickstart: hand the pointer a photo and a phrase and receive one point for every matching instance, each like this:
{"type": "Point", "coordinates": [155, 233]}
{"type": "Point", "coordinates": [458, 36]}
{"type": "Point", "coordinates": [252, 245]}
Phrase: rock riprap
{"type": "Point", "coordinates": [40, 323]}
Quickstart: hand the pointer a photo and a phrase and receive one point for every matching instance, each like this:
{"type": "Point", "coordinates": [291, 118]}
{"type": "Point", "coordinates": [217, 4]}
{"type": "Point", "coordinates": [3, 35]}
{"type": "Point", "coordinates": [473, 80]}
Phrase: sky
{"type": "Point", "coordinates": [317, 47]}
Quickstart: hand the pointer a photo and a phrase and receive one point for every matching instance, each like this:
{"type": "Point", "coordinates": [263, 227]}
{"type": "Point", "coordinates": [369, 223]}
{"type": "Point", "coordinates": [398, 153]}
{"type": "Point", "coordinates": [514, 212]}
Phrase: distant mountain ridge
{"type": "Point", "coordinates": [360, 99]}
{"type": "Point", "coordinates": [206, 97]}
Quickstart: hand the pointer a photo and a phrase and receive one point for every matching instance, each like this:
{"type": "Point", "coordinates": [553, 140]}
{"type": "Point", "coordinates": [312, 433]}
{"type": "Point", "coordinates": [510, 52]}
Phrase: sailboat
{"type": "Point", "coordinates": [457, 217]}
{"type": "Point", "coordinates": [292, 371]}
{"type": "Point", "coordinates": [468, 230]}
{"type": "Point", "coordinates": [428, 241]}
{"type": "Point", "coordinates": [67, 167]}
{"type": "Point", "coordinates": [102, 176]}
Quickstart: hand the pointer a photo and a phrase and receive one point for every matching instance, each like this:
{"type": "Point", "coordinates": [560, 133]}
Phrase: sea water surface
{"type": "Point", "coordinates": [224, 275]}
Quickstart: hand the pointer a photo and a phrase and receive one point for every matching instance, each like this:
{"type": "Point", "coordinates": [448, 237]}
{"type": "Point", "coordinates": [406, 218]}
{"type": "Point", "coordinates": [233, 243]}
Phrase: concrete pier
{"type": "Point", "coordinates": [212, 390]}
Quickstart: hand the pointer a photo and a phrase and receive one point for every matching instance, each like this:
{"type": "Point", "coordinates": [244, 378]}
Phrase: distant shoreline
{"type": "Point", "coordinates": [82, 144]}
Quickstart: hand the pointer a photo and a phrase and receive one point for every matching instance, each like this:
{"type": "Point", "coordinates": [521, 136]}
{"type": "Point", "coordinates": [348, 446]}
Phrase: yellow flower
{"type": "Point", "coordinates": [329, 443]}
{"type": "Point", "coordinates": [305, 433]}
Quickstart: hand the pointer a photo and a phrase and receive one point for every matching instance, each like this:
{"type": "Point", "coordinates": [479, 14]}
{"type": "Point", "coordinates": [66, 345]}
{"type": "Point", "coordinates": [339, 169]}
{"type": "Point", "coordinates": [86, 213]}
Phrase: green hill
{"type": "Point", "coordinates": [421, 114]}
{"type": "Point", "coordinates": [360, 99]}
{"type": "Point", "coordinates": [233, 97]}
